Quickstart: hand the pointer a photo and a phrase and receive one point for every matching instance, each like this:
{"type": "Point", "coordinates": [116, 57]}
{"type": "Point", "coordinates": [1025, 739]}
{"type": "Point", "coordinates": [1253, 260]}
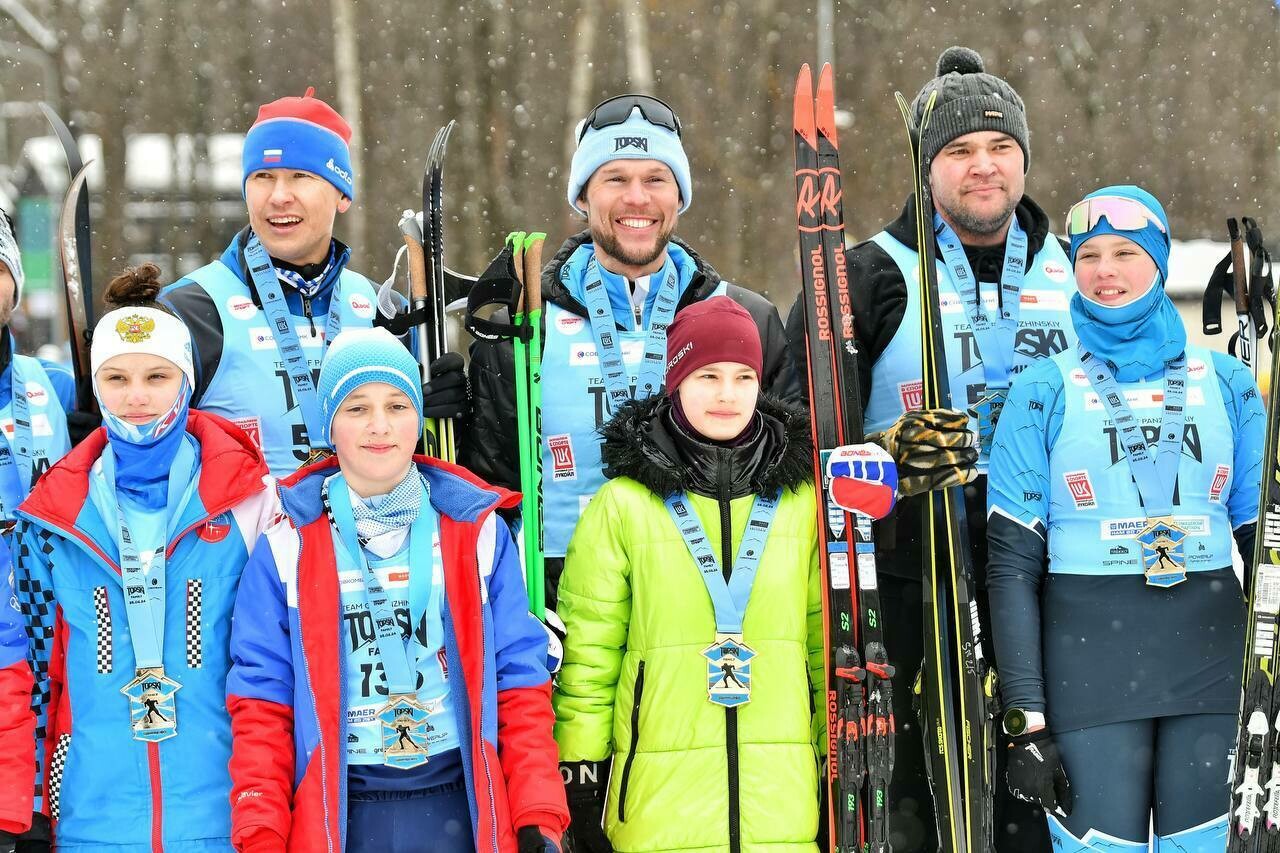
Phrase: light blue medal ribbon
{"type": "Point", "coordinates": [404, 716]}
{"type": "Point", "coordinates": [267, 283]}
{"type": "Point", "coordinates": [1156, 476]}
{"type": "Point", "coordinates": [653, 368]}
{"type": "Point", "coordinates": [23, 440]}
{"type": "Point", "coordinates": [728, 658]}
{"type": "Point", "coordinates": [995, 338]}
{"type": "Point", "coordinates": [153, 711]}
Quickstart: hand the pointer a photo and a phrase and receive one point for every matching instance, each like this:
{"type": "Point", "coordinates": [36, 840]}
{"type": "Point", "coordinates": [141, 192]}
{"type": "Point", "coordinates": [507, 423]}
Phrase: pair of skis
{"type": "Point", "coordinates": [860, 724]}
{"type": "Point", "coordinates": [1255, 779]}
{"type": "Point", "coordinates": [956, 686]}
{"type": "Point", "coordinates": [428, 300]}
{"type": "Point", "coordinates": [74, 251]}
{"type": "Point", "coordinates": [527, 259]}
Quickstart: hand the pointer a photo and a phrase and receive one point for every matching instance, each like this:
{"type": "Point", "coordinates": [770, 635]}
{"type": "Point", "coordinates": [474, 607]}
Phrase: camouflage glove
{"type": "Point", "coordinates": [933, 449]}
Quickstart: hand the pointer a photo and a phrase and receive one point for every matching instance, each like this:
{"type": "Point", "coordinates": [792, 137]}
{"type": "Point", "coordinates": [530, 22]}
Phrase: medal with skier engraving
{"type": "Point", "coordinates": [405, 729]}
{"type": "Point", "coordinates": [153, 708]}
{"type": "Point", "coordinates": [728, 670]}
{"type": "Point", "coordinates": [1164, 558]}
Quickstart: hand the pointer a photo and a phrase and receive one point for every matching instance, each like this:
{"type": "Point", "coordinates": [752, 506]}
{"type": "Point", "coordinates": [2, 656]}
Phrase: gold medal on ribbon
{"type": "Point", "coordinates": [1164, 559]}
{"type": "Point", "coordinates": [405, 731]}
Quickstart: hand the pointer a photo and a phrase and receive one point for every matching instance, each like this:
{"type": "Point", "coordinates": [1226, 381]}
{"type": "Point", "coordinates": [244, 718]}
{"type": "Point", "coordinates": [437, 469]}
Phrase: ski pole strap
{"type": "Point", "coordinates": [995, 338]}
{"type": "Point", "coordinates": [653, 367]}
{"type": "Point", "coordinates": [496, 286]}
{"type": "Point", "coordinates": [1155, 476]}
{"type": "Point", "coordinates": [285, 335]}
{"type": "Point", "coordinates": [1220, 282]}
{"type": "Point", "coordinates": [144, 587]}
{"type": "Point", "coordinates": [20, 443]}
{"type": "Point", "coordinates": [400, 670]}
{"type": "Point", "coordinates": [728, 599]}
{"type": "Point", "coordinates": [1261, 288]}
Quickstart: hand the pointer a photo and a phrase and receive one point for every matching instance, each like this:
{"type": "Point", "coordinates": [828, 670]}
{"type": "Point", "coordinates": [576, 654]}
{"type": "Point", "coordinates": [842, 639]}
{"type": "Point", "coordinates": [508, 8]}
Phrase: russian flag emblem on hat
{"type": "Point", "coordinates": [272, 155]}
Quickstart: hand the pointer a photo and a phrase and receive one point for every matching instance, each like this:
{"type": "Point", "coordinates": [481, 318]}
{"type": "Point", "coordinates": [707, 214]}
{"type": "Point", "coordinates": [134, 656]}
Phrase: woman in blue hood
{"type": "Point", "coordinates": [1119, 473]}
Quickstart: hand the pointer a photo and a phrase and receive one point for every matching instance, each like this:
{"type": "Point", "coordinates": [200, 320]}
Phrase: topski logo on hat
{"type": "Point", "coordinates": [621, 142]}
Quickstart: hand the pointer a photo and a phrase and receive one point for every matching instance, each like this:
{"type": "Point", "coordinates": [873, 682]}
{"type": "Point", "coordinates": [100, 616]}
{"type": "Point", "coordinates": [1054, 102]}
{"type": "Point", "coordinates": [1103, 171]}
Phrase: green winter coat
{"type": "Point", "coordinates": [638, 617]}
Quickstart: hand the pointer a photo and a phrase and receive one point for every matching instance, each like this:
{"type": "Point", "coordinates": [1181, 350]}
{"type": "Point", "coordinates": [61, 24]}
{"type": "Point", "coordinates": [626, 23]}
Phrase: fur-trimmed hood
{"type": "Point", "coordinates": [642, 441]}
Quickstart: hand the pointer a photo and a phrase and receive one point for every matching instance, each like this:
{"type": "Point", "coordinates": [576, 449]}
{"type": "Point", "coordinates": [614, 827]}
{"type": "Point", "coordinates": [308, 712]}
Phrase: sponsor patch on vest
{"type": "Point", "coordinates": [1144, 398]}
{"type": "Point", "coordinates": [1220, 476]}
{"type": "Point", "coordinates": [260, 337]}
{"type": "Point", "coordinates": [36, 395]}
{"type": "Point", "coordinates": [562, 464]}
{"type": "Point", "coordinates": [241, 307]}
{"type": "Point", "coordinates": [444, 663]}
{"type": "Point", "coordinates": [949, 303]}
{"type": "Point", "coordinates": [1055, 271]}
{"type": "Point", "coordinates": [1081, 489]}
{"type": "Point", "coordinates": [215, 529]}
{"type": "Point", "coordinates": [361, 306]}
{"type": "Point", "coordinates": [1078, 377]}
{"type": "Point", "coordinates": [1129, 528]}
{"type": "Point", "coordinates": [252, 427]}
{"type": "Point", "coordinates": [570, 324]}
{"type": "Point", "coordinates": [911, 394]}
{"type": "Point", "coordinates": [1043, 300]}
{"type": "Point", "coordinates": [1197, 370]}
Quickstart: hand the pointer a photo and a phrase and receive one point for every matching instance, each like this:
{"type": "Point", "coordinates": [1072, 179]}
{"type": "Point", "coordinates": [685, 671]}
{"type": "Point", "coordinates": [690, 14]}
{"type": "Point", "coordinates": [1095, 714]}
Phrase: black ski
{"type": "Point", "coordinates": [859, 711]}
{"type": "Point", "coordinates": [956, 684]}
{"type": "Point", "coordinates": [1255, 782]}
{"type": "Point", "coordinates": [438, 436]}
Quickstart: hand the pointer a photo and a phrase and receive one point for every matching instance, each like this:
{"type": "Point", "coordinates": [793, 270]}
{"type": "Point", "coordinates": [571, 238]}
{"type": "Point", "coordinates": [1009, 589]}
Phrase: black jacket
{"type": "Point", "coordinates": [489, 440]}
{"type": "Point", "coordinates": [879, 297]}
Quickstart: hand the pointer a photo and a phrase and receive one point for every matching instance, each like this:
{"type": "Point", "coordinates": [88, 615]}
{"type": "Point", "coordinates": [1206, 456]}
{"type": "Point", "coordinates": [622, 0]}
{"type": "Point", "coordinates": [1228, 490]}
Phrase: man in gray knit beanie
{"type": "Point", "coordinates": [995, 241]}
{"type": "Point", "coordinates": [12, 260]}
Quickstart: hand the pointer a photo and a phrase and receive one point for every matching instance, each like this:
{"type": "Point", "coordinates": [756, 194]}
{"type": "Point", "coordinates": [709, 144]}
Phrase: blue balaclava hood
{"type": "Point", "coordinates": [1139, 338]}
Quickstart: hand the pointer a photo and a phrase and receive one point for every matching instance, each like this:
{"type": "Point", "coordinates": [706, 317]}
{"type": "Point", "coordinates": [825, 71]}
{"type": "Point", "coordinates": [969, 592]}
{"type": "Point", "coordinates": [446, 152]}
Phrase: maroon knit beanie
{"type": "Point", "coordinates": [716, 329]}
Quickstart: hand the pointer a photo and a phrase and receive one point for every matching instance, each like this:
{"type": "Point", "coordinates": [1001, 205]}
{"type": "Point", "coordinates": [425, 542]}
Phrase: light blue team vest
{"type": "Point", "coordinates": [1095, 513]}
{"type": "Point", "coordinates": [251, 387]}
{"type": "Point", "coordinates": [49, 437]}
{"type": "Point", "coordinates": [1044, 328]}
{"type": "Point", "coordinates": [574, 405]}
{"type": "Point", "coordinates": [366, 683]}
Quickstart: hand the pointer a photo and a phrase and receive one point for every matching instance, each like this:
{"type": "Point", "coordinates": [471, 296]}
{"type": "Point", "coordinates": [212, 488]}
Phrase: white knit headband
{"type": "Point", "coordinates": [141, 329]}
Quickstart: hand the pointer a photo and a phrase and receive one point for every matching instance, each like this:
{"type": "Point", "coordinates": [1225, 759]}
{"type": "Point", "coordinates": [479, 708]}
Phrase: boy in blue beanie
{"type": "Point", "coordinates": [263, 313]}
{"type": "Point", "coordinates": [421, 718]}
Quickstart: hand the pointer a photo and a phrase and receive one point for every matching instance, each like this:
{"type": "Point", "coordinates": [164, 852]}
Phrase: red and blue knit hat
{"type": "Point", "coordinates": [301, 133]}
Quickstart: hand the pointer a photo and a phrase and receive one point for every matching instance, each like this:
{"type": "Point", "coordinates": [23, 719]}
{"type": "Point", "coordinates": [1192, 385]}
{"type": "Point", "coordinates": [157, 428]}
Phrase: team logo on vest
{"type": "Point", "coordinates": [569, 324]}
{"type": "Point", "coordinates": [1220, 476]}
{"type": "Point", "coordinates": [36, 395]}
{"type": "Point", "coordinates": [252, 427]}
{"type": "Point", "coordinates": [1081, 489]}
{"type": "Point", "coordinates": [1055, 271]}
{"type": "Point", "coordinates": [562, 464]}
{"type": "Point", "coordinates": [912, 394]}
{"type": "Point", "coordinates": [621, 142]}
{"type": "Point", "coordinates": [215, 529]}
{"type": "Point", "coordinates": [241, 307]}
{"type": "Point", "coordinates": [443, 660]}
{"type": "Point", "coordinates": [361, 306]}
{"type": "Point", "coordinates": [134, 329]}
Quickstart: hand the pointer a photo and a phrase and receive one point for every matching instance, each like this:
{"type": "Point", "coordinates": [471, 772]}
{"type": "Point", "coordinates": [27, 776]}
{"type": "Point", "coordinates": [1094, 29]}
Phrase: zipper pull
{"type": "Point", "coordinates": [306, 311]}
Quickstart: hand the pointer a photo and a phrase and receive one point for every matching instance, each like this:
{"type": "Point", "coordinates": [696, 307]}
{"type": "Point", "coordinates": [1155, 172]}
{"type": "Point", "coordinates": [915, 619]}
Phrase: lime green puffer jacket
{"type": "Point", "coordinates": [687, 774]}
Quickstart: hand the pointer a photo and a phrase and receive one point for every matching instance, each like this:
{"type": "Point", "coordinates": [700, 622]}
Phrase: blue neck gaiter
{"type": "Point", "coordinates": [144, 454]}
{"type": "Point", "coordinates": [1136, 339]}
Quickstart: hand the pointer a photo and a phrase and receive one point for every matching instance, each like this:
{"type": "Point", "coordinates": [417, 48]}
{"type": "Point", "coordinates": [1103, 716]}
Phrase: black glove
{"type": "Point", "coordinates": [586, 783]}
{"type": "Point", "coordinates": [933, 449]}
{"type": "Point", "coordinates": [531, 840]}
{"type": "Point", "coordinates": [37, 839]}
{"type": "Point", "coordinates": [445, 396]}
{"type": "Point", "coordinates": [81, 424]}
{"type": "Point", "coordinates": [1035, 773]}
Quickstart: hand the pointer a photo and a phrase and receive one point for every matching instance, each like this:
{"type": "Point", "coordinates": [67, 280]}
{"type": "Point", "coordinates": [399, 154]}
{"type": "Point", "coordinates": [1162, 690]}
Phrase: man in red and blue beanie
{"type": "Point", "coordinates": [262, 314]}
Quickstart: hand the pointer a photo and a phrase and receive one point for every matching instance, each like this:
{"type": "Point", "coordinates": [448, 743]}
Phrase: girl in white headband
{"type": "Point", "coordinates": [146, 526]}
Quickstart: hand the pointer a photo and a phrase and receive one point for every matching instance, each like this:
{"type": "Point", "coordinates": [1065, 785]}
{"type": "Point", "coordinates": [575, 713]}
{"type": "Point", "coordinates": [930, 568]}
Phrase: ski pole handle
{"type": "Point", "coordinates": [1239, 272]}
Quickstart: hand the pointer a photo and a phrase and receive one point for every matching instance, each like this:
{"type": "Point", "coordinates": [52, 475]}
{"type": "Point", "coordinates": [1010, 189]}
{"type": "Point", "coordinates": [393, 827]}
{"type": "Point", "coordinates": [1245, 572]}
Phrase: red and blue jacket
{"type": "Point", "coordinates": [287, 688]}
{"type": "Point", "coordinates": [103, 789]}
{"type": "Point", "coordinates": [17, 725]}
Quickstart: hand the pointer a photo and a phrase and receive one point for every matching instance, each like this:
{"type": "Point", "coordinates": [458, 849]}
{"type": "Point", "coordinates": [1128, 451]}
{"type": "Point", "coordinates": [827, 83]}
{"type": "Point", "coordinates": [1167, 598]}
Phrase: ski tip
{"type": "Point", "coordinates": [826, 115]}
{"type": "Point", "coordinates": [802, 117]}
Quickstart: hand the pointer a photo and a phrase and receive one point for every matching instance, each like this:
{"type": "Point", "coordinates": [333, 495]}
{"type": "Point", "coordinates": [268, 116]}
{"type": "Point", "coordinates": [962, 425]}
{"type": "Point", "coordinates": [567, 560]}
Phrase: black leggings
{"type": "Point", "coordinates": [1170, 770]}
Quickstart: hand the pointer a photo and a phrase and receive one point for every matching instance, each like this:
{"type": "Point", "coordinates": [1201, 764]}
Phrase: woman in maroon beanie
{"type": "Point", "coordinates": [692, 601]}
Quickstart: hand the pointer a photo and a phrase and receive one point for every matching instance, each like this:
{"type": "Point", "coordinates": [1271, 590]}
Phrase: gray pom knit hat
{"type": "Point", "coordinates": [10, 256]}
{"type": "Point", "coordinates": [969, 100]}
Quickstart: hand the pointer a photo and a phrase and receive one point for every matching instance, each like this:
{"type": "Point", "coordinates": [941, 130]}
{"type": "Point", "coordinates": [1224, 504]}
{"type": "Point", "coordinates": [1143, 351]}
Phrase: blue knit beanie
{"type": "Point", "coordinates": [360, 356]}
{"type": "Point", "coordinates": [301, 133]}
{"type": "Point", "coordinates": [1151, 239]}
{"type": "Point", "coordinates": [634, 139]}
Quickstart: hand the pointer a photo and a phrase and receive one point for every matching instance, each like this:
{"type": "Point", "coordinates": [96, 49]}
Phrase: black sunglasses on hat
{"type": "Point", "coordinates": [618, 109]}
